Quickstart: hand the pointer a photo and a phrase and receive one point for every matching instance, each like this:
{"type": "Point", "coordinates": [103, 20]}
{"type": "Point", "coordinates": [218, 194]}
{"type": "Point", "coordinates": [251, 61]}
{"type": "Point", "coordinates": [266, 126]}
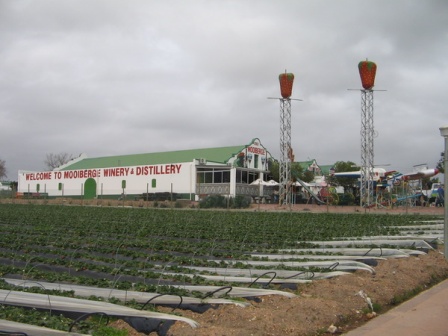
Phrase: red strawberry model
{"type": "Point", "coordinates": [367, 71]}
{"type": "Point", "coordinates": [286, 81]}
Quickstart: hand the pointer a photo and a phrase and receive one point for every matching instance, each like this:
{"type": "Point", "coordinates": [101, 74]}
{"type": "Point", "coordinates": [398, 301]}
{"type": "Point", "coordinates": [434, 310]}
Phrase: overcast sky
{"type": "Point", "coordinates": [125, 77]}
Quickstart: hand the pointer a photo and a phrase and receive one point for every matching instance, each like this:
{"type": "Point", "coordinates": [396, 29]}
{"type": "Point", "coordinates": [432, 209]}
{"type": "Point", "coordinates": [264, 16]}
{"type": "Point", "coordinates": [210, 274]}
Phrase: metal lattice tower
{"type": "Point", "coordinates": [366, 188]}
{"type": "Point", "coordinates": [285, 152]}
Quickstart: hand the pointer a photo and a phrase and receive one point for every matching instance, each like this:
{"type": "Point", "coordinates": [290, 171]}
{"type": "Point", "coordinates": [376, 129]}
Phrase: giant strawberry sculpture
{"type": "Point", "coordinates": [367, 71]}
{"type": "Point", "coordinates": [286, 81]}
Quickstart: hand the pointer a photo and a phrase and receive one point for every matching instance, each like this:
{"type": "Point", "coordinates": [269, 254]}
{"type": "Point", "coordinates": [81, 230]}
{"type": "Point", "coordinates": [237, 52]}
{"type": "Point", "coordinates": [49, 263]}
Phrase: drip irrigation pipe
{"type": "Point", "coordinates": [159, 295]}
{"type": "Point", "coordinates": [217, 290]}
{"type": "Point", "coordinates": [43, 287]}
{"type": "Point", "coordinates": [333, 266]}
{"type": "Point", "coordinates": [269, 282]}
{"type": "Point", "coordinates": [303, 272]}
{"type": "Point", "coordinates": [381, 252]}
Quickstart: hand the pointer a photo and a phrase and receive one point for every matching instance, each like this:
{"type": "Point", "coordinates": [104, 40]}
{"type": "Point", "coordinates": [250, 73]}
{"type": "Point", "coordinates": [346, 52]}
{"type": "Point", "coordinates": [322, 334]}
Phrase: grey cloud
{"type": "Point", "coordinates": [108, 77]}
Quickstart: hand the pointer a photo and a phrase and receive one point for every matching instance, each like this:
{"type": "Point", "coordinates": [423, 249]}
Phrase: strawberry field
{"type": "Point", "coordinates": [125, 263]}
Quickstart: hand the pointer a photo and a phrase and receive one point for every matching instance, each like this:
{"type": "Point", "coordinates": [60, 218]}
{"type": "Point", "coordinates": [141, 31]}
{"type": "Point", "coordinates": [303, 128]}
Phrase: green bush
{"type": "Point", "coordinates": [240, 202]}
{"type": "Point", "coordinates": [213, 201]}
{"type": "Point", "coordinates": [219, 201]}
{"type": "Point", "coordinates": [346, 199]}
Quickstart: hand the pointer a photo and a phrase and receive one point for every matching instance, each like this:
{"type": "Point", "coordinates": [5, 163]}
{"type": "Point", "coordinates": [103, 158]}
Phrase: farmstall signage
{"type": "Point", "coordinates": [256, 150]}
{"type": "Point", "coordinates": [105, 172]}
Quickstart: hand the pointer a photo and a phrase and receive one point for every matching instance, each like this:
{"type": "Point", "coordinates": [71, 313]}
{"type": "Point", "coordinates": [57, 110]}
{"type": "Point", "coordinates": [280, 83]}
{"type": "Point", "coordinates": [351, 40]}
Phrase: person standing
{"type": "Point", "coordinates": [440, 197]}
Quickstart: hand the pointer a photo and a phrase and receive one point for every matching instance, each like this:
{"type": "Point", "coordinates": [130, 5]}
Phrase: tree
{"type": "Point", "coordinates": [56, 160]}
{"type": "Point", "coordinates": [344, 166]}
{"type": "Point", "coordinates": [2, 169]}
{"type": "Point", "coordinates": [273, 168]}
{"type": "Point", "coordinates": [296, 172]}
{"type": "Point", "coordinates": [307, 176]}
{"type": "Point", "coordinates": [440, 165]}
{"type": "Point", "coordinates": [427, 182]}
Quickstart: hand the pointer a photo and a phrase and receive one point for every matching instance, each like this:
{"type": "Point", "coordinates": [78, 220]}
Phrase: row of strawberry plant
{"type": "Point", "coordinates": [256, 227]}
{"type": "Point", "coordinates": [126, 248]}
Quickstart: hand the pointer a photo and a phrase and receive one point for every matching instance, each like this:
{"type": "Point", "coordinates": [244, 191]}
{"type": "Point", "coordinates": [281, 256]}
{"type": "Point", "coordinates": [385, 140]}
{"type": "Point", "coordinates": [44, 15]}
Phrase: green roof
{"type": "Point", "coordinates": [326, 169]}
{"type": "Point", "coordinates": [217, 155]}
{"type": "Point", "coordinates": [305, 164]}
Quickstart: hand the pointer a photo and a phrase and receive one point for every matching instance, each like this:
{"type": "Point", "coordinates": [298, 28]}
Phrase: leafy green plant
{"type": "Point", "coordinates": [149, 249]}
{"type": "Point", "coordinates": [109, 331]}
{"type": "Point", "coordinates": [240, 202]}
{"type": "Point", "coordinates": [213, 201]}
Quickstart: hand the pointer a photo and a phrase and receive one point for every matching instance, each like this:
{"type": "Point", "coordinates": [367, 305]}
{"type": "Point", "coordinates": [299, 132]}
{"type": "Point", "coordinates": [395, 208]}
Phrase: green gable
{"type": "Point", "coordinates": [217, 155]}
{"type": "Point", "coordinates": [326, 169]}
{"type": "Point", "coordinates": [305, 164]}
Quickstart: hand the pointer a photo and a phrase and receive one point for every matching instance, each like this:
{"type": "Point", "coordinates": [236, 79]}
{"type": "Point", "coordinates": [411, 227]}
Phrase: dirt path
{"type": "Point", "coordinates": [349, 209]}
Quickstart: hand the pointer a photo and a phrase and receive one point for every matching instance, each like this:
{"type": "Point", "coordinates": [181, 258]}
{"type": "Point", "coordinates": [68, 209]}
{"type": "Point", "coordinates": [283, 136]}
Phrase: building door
{"type": "Point", "coordinates": [90, 189]}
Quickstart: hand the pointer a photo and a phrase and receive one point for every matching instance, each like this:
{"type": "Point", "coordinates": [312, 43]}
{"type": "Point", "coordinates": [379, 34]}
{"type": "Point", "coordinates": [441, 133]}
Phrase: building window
{"type": "Point", "coordinates": [212, 175]}
{"type": "Point", "coordinates": [252, 177]}
{"type": "Point", "coordinates": [245, 177]}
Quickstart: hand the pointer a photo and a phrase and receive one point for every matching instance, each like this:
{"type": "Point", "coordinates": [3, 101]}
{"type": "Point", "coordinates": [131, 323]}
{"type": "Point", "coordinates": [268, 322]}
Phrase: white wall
{"type": "Point", "coordinates": [174, 177]}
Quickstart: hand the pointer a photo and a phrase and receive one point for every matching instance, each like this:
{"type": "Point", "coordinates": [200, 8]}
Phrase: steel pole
{"type": "Point", "coordinates": [444, 133]}
{"type": "Point", "coordinates": [445, 184]}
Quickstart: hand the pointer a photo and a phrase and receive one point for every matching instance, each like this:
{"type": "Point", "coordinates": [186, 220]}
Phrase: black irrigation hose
{"type": "Point", "coordinates": [433, 243]}
{"type": "Point", "coordinates": [271, 272]}
{"type": "Point", "coordinates": [303, 272]}
{"type": "Point", "coordinates": [159, 295]}
{"type": "Point", "coordinates": [83, 317]}
{"type": "Point", "coordinates": [49, 301]}
{"type": "Point", "coordinates": [333, 266]}
{"type": "Point", "coordinates": [217, 290]}
{"type": "Point", "coordinates": [381, 251]}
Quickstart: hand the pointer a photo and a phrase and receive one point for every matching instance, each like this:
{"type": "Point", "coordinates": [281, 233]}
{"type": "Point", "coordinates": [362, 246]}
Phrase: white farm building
{"type": "Point", "coordinates": [187, 174]}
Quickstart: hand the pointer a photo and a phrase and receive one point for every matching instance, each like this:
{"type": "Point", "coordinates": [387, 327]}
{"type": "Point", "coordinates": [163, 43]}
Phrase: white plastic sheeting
{"type": "Point", "coordinates": [237, 291]}
{"type": "Point", "coordinates": [123, 295]}
{"type": "Point", "coordinates": [67, 304]}
{"type": "Point", "coordinates": [416, 243]}
{"type": "Point", "coordinates": [254, 273]}
{"type": "Point", "coordinates": [429, 238]}
{"type": "Point", "coordinates": [16, 327]}
{"type": "Point", "coordinates": [335, 258]}
{"type": "Point", "coordinates": [355, 252]}
{"type": "Point", "coordinates": [233, 291]}
{"type": "Point", "coordinates": [341, 265]}
{"type": "Point", "coordinates": [242, 279]}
